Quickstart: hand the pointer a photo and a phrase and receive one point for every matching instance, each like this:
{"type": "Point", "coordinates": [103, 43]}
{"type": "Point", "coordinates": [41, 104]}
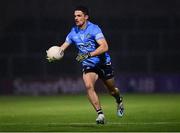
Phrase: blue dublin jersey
{"type": "Point", "coordinates": [86, 41]}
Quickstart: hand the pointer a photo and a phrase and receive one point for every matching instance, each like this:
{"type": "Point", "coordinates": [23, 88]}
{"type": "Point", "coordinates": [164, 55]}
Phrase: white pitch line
{"type": "Point", "coordinates": [133, 123]}
{"type": "Point", "coordinates": [107, 123]}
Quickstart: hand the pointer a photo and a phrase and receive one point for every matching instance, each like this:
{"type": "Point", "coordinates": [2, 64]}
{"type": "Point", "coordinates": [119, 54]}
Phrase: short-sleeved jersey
{"type": "Point", "coordinates": [86, 41]}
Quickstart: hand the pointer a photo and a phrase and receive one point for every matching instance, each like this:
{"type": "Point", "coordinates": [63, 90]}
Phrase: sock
{"type": "Point", "coordinates": [99, 111]}
{"type": "Point", "coordinates": [118, 98]}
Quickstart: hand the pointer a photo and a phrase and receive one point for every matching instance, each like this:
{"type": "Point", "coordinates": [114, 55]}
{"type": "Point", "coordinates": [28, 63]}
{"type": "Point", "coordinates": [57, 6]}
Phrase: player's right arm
{"type": "Point", "coordinates": [64, 46]}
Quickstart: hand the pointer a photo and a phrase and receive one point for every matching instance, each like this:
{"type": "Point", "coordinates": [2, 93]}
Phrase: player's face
{"type": "Point", "coordinates": [80, 18]}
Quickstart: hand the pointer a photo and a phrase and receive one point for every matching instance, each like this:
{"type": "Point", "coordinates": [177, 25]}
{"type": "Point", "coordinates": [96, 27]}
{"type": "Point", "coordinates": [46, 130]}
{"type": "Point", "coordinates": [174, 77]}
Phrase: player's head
{"type": "Point", "coordinates": [81, 15]}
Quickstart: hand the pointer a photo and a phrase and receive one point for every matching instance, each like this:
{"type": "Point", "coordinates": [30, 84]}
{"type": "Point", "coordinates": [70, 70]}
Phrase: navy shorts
{"type": "Point", "coordinates": [104, 71]}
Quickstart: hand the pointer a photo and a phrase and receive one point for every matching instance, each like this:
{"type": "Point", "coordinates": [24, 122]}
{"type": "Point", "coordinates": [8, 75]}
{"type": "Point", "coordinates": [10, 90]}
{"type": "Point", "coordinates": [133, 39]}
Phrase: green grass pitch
{"type": "Point", "coordinates": [143, 112]}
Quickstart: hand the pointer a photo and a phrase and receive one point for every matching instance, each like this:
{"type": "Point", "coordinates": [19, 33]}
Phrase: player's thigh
{"type": "Point", "coordinates": [90, 79]}
{"type": "Point", "coordinates": [110, 84]}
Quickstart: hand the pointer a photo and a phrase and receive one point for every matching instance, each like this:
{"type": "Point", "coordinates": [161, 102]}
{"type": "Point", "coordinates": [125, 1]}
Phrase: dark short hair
{"type": "Point", "coordinates": [83, 9]}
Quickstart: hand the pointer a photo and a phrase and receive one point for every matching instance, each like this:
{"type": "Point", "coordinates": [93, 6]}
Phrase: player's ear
{"type": "Point", "coordinates": [86, 17]}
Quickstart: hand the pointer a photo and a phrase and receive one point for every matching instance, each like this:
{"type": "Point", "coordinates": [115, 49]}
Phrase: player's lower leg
{"type": "Point", "coordinates": [110, 84]}
{"type": "Point", "coordinates": [119, 101]}
{"type": "Point", "coordinates": [93, 98]}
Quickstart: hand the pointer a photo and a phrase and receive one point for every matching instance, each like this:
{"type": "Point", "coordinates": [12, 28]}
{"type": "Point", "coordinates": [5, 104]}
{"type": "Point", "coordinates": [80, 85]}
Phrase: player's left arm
{"type": "Point", "coordinates": [103, 47]}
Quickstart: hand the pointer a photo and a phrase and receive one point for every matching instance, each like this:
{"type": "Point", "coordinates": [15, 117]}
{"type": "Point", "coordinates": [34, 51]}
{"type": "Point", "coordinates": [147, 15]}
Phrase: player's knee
{"type": "Point", "coordinates": [89, 86]}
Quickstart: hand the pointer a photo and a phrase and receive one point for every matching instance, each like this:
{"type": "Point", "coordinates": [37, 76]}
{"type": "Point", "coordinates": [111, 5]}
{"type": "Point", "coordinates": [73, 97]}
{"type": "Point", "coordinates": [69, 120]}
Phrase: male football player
{"type": "Point", "coordinates": [96, 62]}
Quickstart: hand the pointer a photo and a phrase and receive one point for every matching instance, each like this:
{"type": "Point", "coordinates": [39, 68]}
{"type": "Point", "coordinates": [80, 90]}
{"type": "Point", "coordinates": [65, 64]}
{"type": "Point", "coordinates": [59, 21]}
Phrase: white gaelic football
{"type": "Point", "coordinates": [55, 52]}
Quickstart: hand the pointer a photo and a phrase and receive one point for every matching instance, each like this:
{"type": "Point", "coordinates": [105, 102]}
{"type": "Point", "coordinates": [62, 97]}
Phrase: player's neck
{"type": "Point", "coordinates": [83, 26]}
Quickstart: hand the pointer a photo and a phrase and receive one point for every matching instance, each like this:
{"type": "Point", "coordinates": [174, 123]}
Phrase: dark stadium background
{"type": "Point", "coordinates": [143, 36]}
